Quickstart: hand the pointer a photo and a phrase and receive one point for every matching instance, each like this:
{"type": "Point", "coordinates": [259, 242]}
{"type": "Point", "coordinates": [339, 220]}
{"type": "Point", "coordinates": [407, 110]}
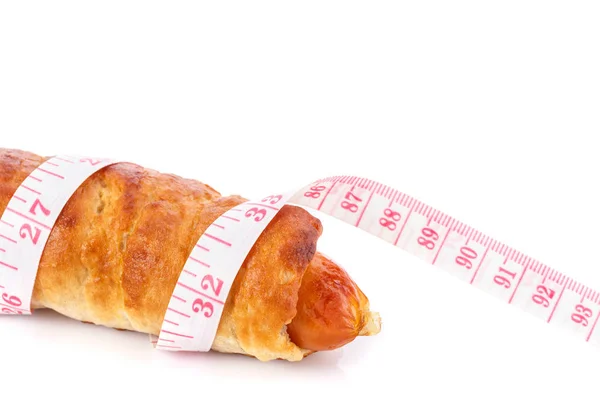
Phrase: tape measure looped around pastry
{"type": "Point", "coordinates": [403, 221]}
{"type": "Point", "coordinates": [29, 218]}
{"type": "Point", "coordinates": [195, 308]}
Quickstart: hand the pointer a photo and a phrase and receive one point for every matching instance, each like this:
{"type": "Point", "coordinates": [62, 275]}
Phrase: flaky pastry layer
{"type": "Point", "coordinates": [119, 245]}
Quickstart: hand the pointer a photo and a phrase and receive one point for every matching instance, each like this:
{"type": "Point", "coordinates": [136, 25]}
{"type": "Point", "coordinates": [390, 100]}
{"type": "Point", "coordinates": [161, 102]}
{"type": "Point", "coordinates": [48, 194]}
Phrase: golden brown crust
{"type": "Point", "coordinates": [119, 245]}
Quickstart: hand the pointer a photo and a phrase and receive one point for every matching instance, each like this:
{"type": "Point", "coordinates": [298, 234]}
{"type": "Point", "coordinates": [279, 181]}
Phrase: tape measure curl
{"type": "Point", "coordinates": [195, 308]}
{"type": "Point", "coordinates": [403, 221]}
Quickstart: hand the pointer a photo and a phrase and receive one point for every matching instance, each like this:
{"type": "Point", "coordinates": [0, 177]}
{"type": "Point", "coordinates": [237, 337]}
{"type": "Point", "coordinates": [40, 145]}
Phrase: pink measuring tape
{"type": "Point", "coordinates": [26, 224]}
{"type": "Point", "coordinates": [195, 308]}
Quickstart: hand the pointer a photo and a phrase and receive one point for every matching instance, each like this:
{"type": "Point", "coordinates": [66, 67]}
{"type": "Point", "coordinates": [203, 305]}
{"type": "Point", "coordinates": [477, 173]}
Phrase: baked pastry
{"type": "Point", "coordinates": [117, 249]}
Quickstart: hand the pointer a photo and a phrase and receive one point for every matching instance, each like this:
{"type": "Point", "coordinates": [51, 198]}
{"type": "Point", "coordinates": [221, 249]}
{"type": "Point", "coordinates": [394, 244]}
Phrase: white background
{"type": "Point", "coordinates": [487, 110]}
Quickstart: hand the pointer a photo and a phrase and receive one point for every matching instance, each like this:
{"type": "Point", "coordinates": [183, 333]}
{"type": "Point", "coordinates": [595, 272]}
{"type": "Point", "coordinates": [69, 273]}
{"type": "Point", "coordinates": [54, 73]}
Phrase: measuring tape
{"type": "Point", "coordinates": [195, 308]}
{"type": "Point", "coordinates": [196, 305]}
{"type": "Point", "coordinates": [29, 218]}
